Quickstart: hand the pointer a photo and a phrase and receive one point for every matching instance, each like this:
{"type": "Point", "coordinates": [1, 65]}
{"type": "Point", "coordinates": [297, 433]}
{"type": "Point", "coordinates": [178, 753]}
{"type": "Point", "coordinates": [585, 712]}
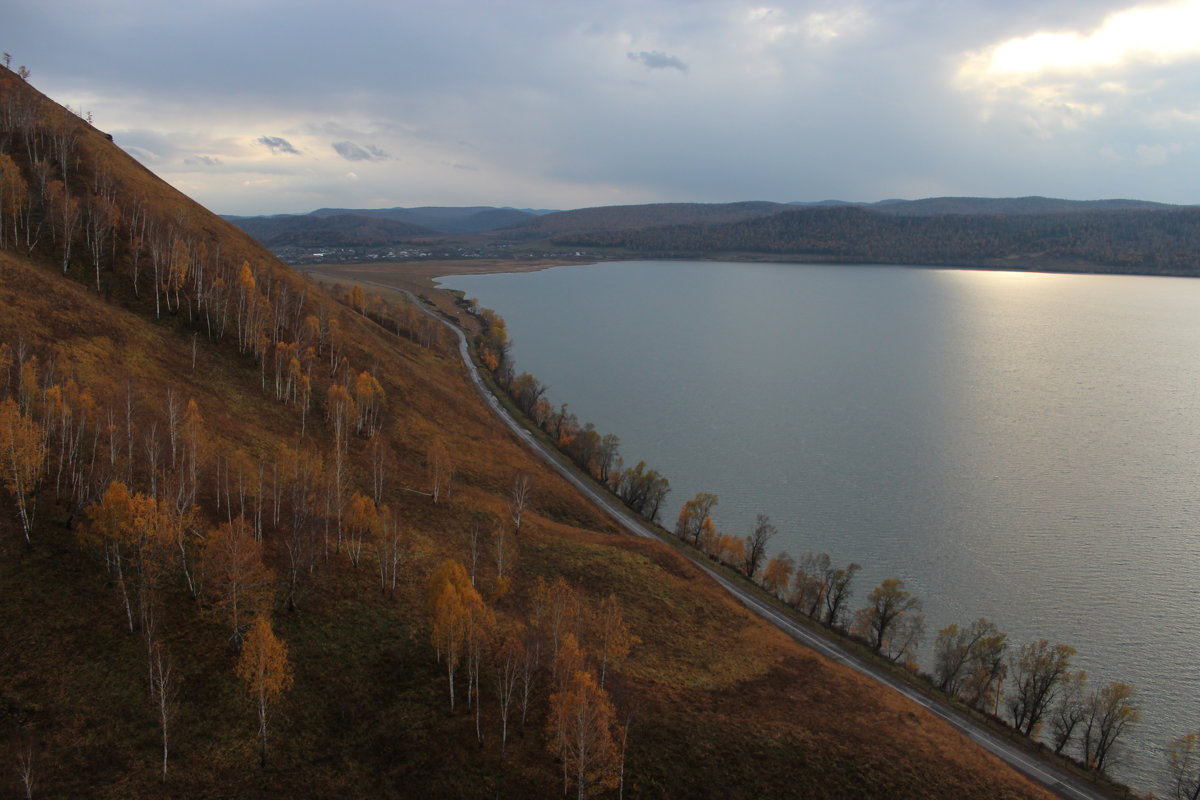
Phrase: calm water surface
{"type": "Point", "coordinates": [1024, 447]}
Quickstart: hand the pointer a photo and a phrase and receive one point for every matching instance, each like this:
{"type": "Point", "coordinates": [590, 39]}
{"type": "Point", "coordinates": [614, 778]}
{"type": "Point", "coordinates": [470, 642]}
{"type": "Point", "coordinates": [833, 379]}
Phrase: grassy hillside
{"type": "Point", "coordinates": [716, 703]}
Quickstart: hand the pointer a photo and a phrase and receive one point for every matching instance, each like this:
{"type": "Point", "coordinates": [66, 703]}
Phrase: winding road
{"type": "Point", "coordinates": [1048, 775]}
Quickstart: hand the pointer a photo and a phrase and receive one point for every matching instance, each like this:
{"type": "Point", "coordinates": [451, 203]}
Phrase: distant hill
{"type": "Point", "coordinates": [491, 219]}
{"type": "Point", "coordinates": [1157, 242]}
{"type": "Point", "coordinates": [338, 227]}
{"type": "Point", "coordinates": [1040, 232]}
{"type": "Point", "coordinates": [617, 217]}
{"type": "Point", "coordinates": [446, 219]}
{"type": "Point", "coordinates": [338, 230]}
{"type": "Point", "coordinates": [607, 218]}
{"type": "Point", "coordinates": [934, 206]}
{"type": "Point", "coordinates": [376, 227]}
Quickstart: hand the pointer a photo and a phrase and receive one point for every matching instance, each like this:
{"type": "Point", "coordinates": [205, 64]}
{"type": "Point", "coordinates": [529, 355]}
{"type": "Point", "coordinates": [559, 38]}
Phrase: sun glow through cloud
{"type": "Point", "coordinates": [1155, 35]}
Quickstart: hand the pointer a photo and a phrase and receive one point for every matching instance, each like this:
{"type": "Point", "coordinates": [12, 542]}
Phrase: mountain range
{"type": "Point", "coordinates": [1125, 236]}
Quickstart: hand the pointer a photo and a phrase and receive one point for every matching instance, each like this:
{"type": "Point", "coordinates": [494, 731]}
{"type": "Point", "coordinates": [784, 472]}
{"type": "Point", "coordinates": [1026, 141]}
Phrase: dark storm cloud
{"type": "Point", "coordinates": [354, 152]}
{"type": "Point", "coordinates": [657, 60]}
{"type": "Point", "coordinates": [277, 144]}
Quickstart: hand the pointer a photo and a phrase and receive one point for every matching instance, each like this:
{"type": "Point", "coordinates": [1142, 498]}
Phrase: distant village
{"type": "Point", "coordinates": [345, 255]}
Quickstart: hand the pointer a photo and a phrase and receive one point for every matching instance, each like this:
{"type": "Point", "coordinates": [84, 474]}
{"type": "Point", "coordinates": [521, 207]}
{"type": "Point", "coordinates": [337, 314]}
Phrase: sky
{"type": "Point", "coordinates": [263, 107]}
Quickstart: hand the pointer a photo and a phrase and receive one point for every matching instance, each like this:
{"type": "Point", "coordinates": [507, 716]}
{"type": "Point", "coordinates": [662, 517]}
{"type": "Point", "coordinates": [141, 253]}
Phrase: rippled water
{"type": "Point", "coordinates": [1024, 447]}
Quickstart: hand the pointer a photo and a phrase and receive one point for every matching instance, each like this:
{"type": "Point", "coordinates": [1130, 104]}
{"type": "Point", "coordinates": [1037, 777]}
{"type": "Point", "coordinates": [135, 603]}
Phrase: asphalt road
{"type": "Point", "coordinates": [1050, 776]}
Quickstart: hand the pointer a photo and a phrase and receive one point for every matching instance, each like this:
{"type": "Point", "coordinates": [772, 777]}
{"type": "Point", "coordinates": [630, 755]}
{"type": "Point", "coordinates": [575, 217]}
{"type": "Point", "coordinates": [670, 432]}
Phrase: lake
{"type": "Point", "coordinates": [1022, 447]}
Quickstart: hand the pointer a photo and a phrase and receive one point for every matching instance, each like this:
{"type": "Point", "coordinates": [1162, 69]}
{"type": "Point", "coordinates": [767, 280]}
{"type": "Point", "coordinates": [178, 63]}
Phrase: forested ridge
{"type": "Point", "coordinates": [1120, 236]}
{"type": "Point", "coordinates": [260, 541]}
{"type": "Point", "coordinates": [607, 218]}
{"type": "Point", "coordinates": [338, 230]}
{"type": "Point", "coordinates": [1154, 242]}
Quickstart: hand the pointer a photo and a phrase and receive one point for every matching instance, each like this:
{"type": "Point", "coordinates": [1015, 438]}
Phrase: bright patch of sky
{"type": "Point", "coordinates": [266, 106]}
{"type": "Point", "coordinates": [1155, 35]}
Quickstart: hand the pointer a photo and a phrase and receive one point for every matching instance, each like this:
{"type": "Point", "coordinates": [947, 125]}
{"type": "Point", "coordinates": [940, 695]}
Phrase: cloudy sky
{"type": "Point", "coordinates": [258, 106]}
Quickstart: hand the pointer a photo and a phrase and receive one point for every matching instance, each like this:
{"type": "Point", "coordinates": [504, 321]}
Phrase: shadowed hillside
{"type": "Point", "coordinates": [214, 456]}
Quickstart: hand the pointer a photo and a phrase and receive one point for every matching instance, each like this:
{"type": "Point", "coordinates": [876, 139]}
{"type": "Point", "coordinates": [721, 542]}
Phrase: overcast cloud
{"type": "Point", "coordinates": [256, 106]}
{"type": "Point", "coordinates": [658, 61]}
{"type": "Point", "coordinates": [354, 152]}
{"type": "Point", "coordinates": [277, 145]}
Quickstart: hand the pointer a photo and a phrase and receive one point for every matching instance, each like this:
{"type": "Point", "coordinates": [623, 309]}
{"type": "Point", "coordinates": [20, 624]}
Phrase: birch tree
{"type": "Point", "coordinates": [452, 602]}
{"type": "Point", "coordinates": [23, 454]}
{"type": "Point", "coordinates": [389, 549]}
{"type": "Point", "coordinates": [265, 669]}
{"type": "Point", "coordinates": [518, 499]}
{"type": "Point", "coordinates": [441, 469]}
{"type": "Point", "coordinates": [163, 691]}
{"type": "Point", "coordinates": [506, 672]}
{"type": "Point", "coordinates": [611, 635]}
{"type": "Point", "coordinates": [583, 734]}
{"type": "Point", "coordinates": [236, 582]}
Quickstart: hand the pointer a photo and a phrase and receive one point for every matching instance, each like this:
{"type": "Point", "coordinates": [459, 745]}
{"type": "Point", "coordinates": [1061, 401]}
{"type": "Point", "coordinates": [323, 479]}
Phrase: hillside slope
{"type": "Point", "coordinates": [158, 347]}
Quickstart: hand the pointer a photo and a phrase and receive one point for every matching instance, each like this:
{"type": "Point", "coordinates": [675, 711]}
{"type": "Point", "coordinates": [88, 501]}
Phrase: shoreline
{"type": "Point", "coordinates": [425, 274]}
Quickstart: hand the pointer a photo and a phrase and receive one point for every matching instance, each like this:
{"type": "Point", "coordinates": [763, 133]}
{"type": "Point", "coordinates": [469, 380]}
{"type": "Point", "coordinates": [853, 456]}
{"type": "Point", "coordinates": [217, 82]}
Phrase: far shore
{"type": "Point", "coordinates": [424, 274]}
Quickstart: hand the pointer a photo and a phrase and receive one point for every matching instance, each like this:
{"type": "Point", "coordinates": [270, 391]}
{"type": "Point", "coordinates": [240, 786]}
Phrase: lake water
{"type": "Point", "coordinates": [1023, 447]}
